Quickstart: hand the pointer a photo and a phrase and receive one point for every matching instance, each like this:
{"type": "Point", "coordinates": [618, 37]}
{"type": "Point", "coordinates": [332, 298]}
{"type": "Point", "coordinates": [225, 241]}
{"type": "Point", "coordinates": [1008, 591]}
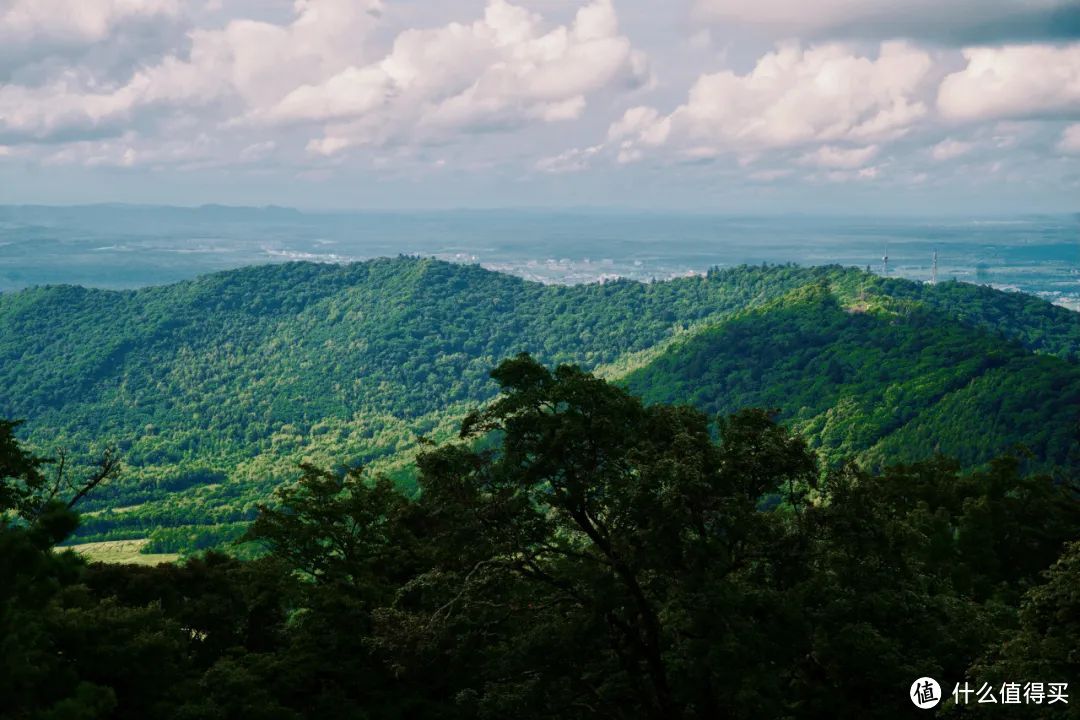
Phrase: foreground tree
{"type": "Point", "coordinates": [576, 554]}
{"type": "Point", "coordinates": [1044, 648]}
{"type": "Point", "coordinates": [621, 525]}
{"type": "Point", "coordinates": [36, 515]}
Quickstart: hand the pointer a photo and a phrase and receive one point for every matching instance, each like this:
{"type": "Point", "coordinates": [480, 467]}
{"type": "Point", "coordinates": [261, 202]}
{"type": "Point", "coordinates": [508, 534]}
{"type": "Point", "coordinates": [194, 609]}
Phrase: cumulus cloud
{"type": "Point", "coordinates": [245, 63]}
{"type": "Point", "coordinates": [500, 71]}
{"type": "Point", "coordinates": [641, 124]}
{"type": "Point", "coordinates": [793, 97]}
{"type": "Point", "coordinates": [323, 69]}
{"type": "Point", "coordinates": [32, 31]}
{"type": "Point", "coordinates": [1013, 81]}
{"type": "Point", "coordinates": [67, 108]}
{"type": "Point", "coordinates": [292, 86]}
{"type": "Point", "coordinates": [954, 21]}
{"type": "Point", "coordinates": [61, 22]}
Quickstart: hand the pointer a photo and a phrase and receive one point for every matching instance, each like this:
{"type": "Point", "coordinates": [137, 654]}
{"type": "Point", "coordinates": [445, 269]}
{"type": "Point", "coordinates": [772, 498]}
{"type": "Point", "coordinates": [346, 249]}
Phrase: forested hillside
{"type": "Point", "coordinates": [885, 383]}
{"type": "Point", "coordinates": [577, 554]}
{"type": "Point", "coordinates": [214, 390]}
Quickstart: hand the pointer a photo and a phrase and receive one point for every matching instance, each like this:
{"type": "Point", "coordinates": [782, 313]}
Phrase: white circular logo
{"type": "Point", "coordinates": [925, 693]}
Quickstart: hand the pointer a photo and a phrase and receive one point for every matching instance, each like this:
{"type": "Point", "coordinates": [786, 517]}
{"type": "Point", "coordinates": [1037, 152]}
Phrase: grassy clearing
{"type": "Point", "coordinates": [121, 552]}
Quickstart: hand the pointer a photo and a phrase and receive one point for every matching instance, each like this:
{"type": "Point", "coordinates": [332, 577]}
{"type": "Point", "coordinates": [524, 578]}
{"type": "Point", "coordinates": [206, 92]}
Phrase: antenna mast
{"type": "Point", "coordinates": [885, 260]}
{"type": "Point", "coordinates": [933, 270]}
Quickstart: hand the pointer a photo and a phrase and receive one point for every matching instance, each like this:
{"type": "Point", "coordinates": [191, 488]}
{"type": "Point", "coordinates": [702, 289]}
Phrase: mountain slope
{"type": "Point", "coordinates": [215, 389]}
{"type": "Point", "coordinates": [242, 353]}
{"type": "Point", "coordinates": [887, 383]}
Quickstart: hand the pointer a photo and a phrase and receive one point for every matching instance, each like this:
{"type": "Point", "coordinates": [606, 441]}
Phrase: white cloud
{"type": "Point", "coordinates": [33, 30]}
{"type": "Point", "coordinates": [66, 109]}
{"type": "Point", "coordinates": [641, 124]}
{"type": "Point", "coordinates": [261, 62]}
{"type": "Point", "coordinates": [246, 62]}
{"type": "Point", "coordinates": [1013, 81]}
{"type": "Point", "coordinates": [793, 97]}
{"type": "Point", "coordinates": [829, 156]}
{"type": "Point", "coordinates": [82, 22]}
{"type": "Point", "coordinates": [198, 152]}
{"type": "Point", "coordinates": [352, 92]}
{"type": "Point", "coordinates": [289, 86]}
{"type": "Point", "coordinates": [1070, 139]}
{"type": "Point", "coordinates": [324, 68]}
{"type": "Point", "coordinates": [948, 149]}
{"type": "Point", "coordinates": [574, 160]}
{"type": "Point", "coordinates": [500, 71]}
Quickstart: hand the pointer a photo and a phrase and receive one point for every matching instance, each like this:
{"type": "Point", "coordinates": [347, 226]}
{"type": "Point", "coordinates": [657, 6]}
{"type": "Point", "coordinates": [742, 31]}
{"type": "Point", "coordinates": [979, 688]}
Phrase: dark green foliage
{"type": "Point", "coordinates": [253, 349]}
{"type": "Point", "coordinates": [881, 385]}
{"type": "Point", "coordinates": [36, 513]}
{"type": "Point", "coordinates": [339, 531]}
{"type": "Point", "coordinates": [248, 372]}
{"type": "Point", "coordinates": [621, 523]}
{"type": "Point", "coordinates": [576, 554]}
{"type": "Point", "coordinates": [187, 538]}
{"type": "Point", "coordinates": [1045, 645]}
{"type": "Point", "coordinates": [215, 390]}
{"type": "Point", "coordinates": [1039, 326]}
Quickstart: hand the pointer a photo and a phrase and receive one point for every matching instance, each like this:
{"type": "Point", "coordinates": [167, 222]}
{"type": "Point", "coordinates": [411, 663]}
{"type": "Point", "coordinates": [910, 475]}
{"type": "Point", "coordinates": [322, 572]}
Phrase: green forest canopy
{"type": "Point", "coordinates": [597, 557]}
{"type": "Point", "coordinates": [215, 389]}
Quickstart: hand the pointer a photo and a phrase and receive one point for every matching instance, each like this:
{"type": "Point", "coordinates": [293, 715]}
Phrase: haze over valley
{"type": "Point", "coordinates": [132, 246]}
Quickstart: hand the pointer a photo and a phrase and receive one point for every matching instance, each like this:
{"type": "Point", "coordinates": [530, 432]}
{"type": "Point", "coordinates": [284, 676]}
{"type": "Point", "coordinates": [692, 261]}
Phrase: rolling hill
{"type": "Point", "coordinates": [887, 383]}
{"type": "Point", "coordinates": [215, 389]}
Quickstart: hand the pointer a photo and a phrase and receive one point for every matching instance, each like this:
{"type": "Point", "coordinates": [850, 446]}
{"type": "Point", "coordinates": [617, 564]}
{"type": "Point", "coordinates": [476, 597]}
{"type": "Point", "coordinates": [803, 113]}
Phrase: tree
{"type": "Point", "coordinates": [1044, 647]}
{"type": "Point", "coordinates": [348, 545]}
{"type": "Point", "coordinates": [576, 553]}
{"type": "Point", "coordinates": [35, 515]}
{"type": "Point", "coordinates": [624, 522]}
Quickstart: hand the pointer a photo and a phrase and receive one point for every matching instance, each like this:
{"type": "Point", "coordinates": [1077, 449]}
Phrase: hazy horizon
{"type": "Point", "coordinates": [946, 213]}
{"type": "Point", "coordinates": [129, 246]}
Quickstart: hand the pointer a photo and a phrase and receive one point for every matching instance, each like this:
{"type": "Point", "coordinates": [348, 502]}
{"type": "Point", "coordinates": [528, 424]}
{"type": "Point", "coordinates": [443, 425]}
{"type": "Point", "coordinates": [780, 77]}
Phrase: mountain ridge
{"type": "Point", "coordinates": [810, 357]}
{"type": "Point", "coordinates": [215, 388]}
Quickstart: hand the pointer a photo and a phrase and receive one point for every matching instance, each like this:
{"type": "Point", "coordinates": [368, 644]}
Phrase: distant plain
{"type": "Point", "coordinates": [119, 246]}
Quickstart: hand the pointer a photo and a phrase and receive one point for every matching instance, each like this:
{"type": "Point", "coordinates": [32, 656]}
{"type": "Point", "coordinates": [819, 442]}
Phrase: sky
{"type": "Point", "coordinates": [757, 106]}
